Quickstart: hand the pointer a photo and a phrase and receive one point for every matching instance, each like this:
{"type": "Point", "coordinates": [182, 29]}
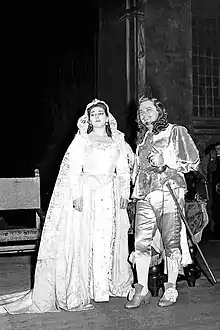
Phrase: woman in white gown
{"type": "Point", "coordinates": [84, 245]}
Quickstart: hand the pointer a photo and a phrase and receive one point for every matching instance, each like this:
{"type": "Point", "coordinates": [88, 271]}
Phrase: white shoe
{"type": "Point", "coordinates": [170, 295]}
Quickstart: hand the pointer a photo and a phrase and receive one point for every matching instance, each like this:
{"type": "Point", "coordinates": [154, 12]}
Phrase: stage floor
{"type": "Point", "coordinates": [197, 308]}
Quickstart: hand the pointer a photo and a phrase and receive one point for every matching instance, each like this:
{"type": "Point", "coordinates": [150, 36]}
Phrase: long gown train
{"type": "Point", "coordinates": [82, 255]}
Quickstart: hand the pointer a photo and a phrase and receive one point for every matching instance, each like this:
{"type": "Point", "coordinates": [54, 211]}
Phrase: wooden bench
{"type": "Point", "coordinates": [21, 194]}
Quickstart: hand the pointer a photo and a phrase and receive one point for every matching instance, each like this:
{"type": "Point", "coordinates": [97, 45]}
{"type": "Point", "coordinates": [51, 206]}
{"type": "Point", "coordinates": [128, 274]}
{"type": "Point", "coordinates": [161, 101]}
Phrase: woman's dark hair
{"type": "Point", "coordinates": [107, 125]}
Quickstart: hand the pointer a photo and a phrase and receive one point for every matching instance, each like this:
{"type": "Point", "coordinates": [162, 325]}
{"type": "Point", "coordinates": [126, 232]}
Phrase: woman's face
{"type": "Point", "coordinates": [148, 113]}
{"type": "Point", "coordinates": [98, 117]}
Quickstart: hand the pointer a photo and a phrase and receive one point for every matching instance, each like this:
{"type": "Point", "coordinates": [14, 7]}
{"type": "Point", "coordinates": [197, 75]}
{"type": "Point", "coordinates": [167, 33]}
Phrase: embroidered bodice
{"type": "Point", "coordinates": [100, 160]}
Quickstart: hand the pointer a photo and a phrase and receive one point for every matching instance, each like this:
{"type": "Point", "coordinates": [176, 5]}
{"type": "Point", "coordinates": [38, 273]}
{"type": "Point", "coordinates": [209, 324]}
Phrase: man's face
{"type": "Point", "coordinates": [148, 113]}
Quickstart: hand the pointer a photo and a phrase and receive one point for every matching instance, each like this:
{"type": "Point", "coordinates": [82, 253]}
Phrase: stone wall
{"type": "Point", "coordinates": [206, 74]}
{"type": "Point", "coordinates": [168, 59]}
{"type": "Point", "coordinates": [168, 56]}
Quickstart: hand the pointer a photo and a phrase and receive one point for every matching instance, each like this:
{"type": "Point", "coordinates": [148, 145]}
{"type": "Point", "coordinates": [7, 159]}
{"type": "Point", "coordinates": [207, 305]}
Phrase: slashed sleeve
{"type": "Point", "coordinates": [76, 159]}
{"type": "Point", "coordinates": [122, 169]}
{"type": "Point", "coordinates": [181, 153]}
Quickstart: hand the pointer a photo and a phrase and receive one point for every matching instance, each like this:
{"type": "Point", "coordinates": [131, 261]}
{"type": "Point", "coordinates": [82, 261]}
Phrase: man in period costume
{"type": "Point", "coordinates": [164, 153]}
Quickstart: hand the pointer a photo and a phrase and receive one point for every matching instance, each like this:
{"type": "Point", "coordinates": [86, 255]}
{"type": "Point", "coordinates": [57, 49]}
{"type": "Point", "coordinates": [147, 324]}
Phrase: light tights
{"type": "Point", "coordinates": [172, 270]}
{"type": "Point", "coordinates": [142, 268]}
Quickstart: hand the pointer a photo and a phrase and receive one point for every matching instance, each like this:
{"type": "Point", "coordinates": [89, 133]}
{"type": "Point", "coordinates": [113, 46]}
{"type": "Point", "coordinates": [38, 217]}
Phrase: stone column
{"type": "Point", "coordinates": [120, 59]}
{"type": "Point", "coordinates": [168, 56]}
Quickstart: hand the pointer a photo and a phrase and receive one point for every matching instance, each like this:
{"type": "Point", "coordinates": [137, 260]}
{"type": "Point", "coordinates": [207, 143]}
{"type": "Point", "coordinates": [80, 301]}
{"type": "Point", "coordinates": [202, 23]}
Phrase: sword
{"type": "Point", "coordinates": [190, 231]}
{"type": "Point", "coordinates": [162, 169]}
{"type": "Point", "coordinates": [206, 190]}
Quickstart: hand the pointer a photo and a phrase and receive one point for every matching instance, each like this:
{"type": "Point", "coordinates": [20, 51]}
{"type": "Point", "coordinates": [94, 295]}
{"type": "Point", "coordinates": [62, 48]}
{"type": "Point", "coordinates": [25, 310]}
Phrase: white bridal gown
{"type": "Point", "coordinates": [82, 255]}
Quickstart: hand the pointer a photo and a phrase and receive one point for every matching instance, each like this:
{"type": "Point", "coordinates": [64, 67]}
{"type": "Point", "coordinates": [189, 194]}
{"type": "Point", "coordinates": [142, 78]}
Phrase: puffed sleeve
{"type": "Point", "coordinates": [76, 160]}
{"type": "Point", "coordinates": [122, 169]}
{"type": "Point", "coordinates": [181, 153]}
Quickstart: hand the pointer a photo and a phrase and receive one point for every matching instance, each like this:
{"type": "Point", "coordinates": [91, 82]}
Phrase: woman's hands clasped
{"type": "Point", "coordinates": [78, 204]}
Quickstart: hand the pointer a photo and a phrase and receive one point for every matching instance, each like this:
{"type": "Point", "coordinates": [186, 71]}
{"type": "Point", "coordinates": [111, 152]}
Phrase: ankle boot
{"type": "Point", "coordinates": [138, 299]}
{"type": "Point", "coordinates": [170, 295]}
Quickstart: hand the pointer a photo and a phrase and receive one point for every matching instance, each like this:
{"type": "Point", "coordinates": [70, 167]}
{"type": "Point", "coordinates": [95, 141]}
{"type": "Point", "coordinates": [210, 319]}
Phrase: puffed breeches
{"type": "Point", "coordinates": [158, 210]}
